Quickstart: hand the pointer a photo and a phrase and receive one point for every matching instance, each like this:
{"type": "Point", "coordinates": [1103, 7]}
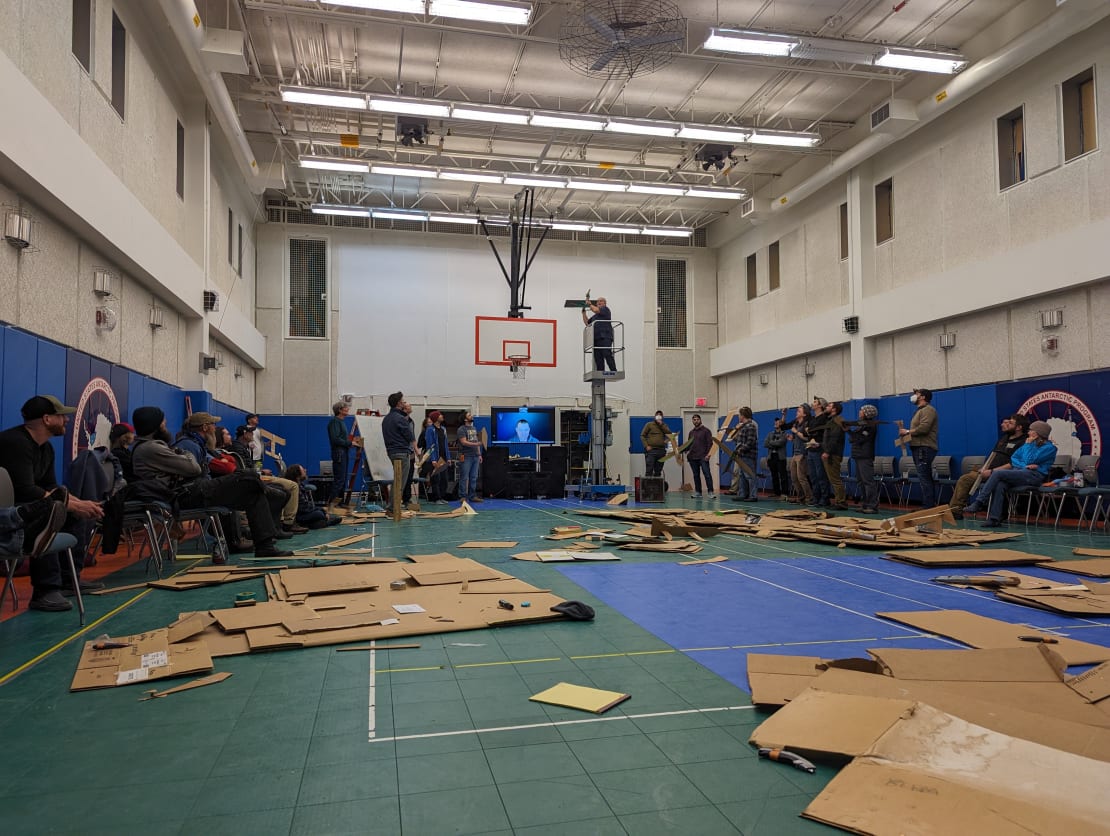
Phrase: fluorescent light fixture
{"type": "Point", "coordinates": [676, 191]}
{"type": "Point", "coordinates": [615, 230]}
{"type": "Point", "coordinates": [412, 107]}
{"type": "Point", "coordinates": [467, 220]}
{"type": "Point", "coordinates": [536, 182]}
{"type": "Point", "coordinates": [921, 60]}
{"type": "Point", "coordinates": [399, 214]}
{"type": "Point", "coordinates": [719, 194]}
{"type": "Point", "coordinates": [570, 227]}
{"type": "Point", "coordinates": [329, 164]}
{"type": "Point", "coordinates": [597, 185]}
{"type": "Point", "coordinates": [667, 232]}
{"type": "Point", "coordinates": [788, 139]}
{"type": "Point", "coordinates": [412, 7]}
{"type": "Point", "coordinates": [750, 42]}
{"type": "Point", "coordinates": [546, 119]}
{"type": "Point", "coordinates": [479, 113]}
{"type": "Point", "coordinates": [401, 171]}
{"type": "Point", "coordinates": [326, 98]}
{"type": "Point", "coordinates": [641, 127]}
{"type": "Point", "coordinates": [471, 176]}
{"type": "Point", "coordinates": [346, 211]}
{"type": "Point", "coordinates": [711, 133]}
{"type": "Point", "coordinates": [514, 14]}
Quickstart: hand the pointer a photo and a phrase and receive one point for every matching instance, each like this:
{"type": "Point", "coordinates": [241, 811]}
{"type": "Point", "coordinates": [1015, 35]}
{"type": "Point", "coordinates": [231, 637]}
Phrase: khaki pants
{"type": "Point", "coordinates": [289, 509]}
{"type": "Point", "coordinates": [799, 478]}
{"type": "Point", "coordinates": [962, 490]}
{"type": "Point", "coordinates": [832, 470]}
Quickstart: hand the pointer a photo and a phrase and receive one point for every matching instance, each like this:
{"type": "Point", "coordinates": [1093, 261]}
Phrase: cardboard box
{"type": "Point", "coordinates": [147, 657]}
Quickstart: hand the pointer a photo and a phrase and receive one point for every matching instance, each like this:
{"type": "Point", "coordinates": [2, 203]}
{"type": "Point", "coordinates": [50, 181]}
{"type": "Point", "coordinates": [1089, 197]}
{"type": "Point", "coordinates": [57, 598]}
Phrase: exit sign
{"type": "Point", "coordinates": [701, 402]}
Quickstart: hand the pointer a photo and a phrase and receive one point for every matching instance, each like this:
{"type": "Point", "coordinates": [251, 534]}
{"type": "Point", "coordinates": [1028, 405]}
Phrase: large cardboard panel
{"type": "Point", "coordinates": [238, 619]}
{"type": "Point", "coordinates": [935, 773]}
{"type": "Point", "coordinates": [1098, 567]}
{"type": "Point", "coordinates": [451, 572]}
{"type": "Point", "coordinates": [1031, 712]}
{"type": "Point", "coordinates": [980, 631]}
{"type": "Point", "coordinates": [967, 557]}
{"type": "Point", "coordinates": [147, 656]}
{"type": "Point", "coordinates": [321, 579]}
{"type": "Point", "coordinates": [1093, 684]}
{"type": "Point", "coordinates": [1011, 664]}
{"type": "Point", "coordinates": [1055, 600]}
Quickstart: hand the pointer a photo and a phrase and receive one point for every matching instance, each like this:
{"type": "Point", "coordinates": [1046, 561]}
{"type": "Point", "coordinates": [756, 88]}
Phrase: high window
{"type": "Point", "coordinates": [82, 32]}
{"type": "Point", "coordinates": [1011, 148]}
{"type": "Point", "coordinates": [670, 295]}
{"type": "Point", "coordinates": [751, 276]}
{"type": "Point", "coordinates": [180, 160]}
{"type": "Point", "coordinates": [884, 211]}
{"type": "Point", "coordinates": [773, 264]}
{"type": "Point", "coordinates": [119, 65]}
{"type": "Point", "coordinates": [308, 288]}
{"type": "Point", "coordinates": [1078, 101]}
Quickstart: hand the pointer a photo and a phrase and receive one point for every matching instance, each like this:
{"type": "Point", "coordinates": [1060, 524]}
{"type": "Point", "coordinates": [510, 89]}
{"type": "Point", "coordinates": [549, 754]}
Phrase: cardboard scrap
{"type": "Point", "coordinates": [1094, 684]}
{"type": "Point", "coordinates": [488, 544]}
{"type": "Point", "coordinates": [579, 696]}
{"type": "Point", "coordinates": [146, 656]}
{"type": "Point", "coordinates": [718, 559]}
{"type": "Point", "coordinates": [450, 572]}
{"type": "Point", "coordinates": [931, 772]}
{"type": "Point", "coordinates": [618, 499]}
{"type": "Point", "coordinates": [672, 547]}
{"type": "Point", "coordinates": [191, 580]}
{"type": "Point", "coordinates": [212, 679]}
{"type": "Point", "coordinates": [335, 622]}
{"type": "Point", "coordinates": [966, 557]}
{"type": "Point", "coordinates": [1091, 552]}
{"type": "Point", "coordinates": [1096, 568]}
{"type": "Point", "coordinates": [980, 631]}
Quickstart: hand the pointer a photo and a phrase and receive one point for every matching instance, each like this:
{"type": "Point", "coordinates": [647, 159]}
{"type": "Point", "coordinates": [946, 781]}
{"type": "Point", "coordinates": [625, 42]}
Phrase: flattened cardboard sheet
{"type": "Point", "coordinates": [967, 557]}
{"type": "Point", "coordinates": [980, 631]}
{"type": "Point", "coordinates": [1033, 663]}
{"type": "Point", "coordinates": [568, 695]}
{"type": "Point", "coordinates": [488, 544]}
{"type": "Point", "coordinates": [1066, 602]}
{"type": "Point", "coordinates": [337, 622]}
{"type": "Point", "coordinates": [776, 679]}
{"type": "Point", "coordinates": [320, 579]}
{"type": "Point", "coordinates": [935, 773]}
{"type": "Point", "coordinates": [189, 625]}
{"type": "Point", "coordinates": [238, 619]}
{"type": "Point", "coordinates": [1098, 567]}
{"type": "Point", "coordinates": [830, 725]}
{"type": "Point", "coordinates": [1093, 684]}
{"type": "Point", "coordinates": [193, 581]}
{"type": "Point", "coordinates": [148, 656]}
{"type": "Point", "coordinates": [451, 572]}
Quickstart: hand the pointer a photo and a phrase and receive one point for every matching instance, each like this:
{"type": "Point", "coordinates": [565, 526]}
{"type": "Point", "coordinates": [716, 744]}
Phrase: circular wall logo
{"type": "Point", "coordinates": [97, 410]}
{"type": "Point", "coordinates": [1075, 431]}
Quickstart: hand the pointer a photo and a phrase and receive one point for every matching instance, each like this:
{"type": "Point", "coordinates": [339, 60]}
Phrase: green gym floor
{"type": "Point", "coordinates": [284, 745]}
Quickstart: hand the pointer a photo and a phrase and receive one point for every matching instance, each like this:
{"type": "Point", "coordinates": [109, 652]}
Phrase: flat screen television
{"type": "Point", "coordinates": [523, 424]}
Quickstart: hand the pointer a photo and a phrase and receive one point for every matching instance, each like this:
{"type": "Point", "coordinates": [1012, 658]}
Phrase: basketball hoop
{"type": "Point", "coordinates": [518, 364]}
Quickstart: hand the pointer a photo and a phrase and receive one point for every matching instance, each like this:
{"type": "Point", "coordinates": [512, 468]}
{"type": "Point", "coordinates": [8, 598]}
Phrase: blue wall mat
{"type": "Point", "coordinates": [50, 370]}
{"type": "Point", "coordinates": [636, 425]}
{"type": "Point", "coordinates": [136, 393]}
{"type": "Point", "coordinates": [20, 373]}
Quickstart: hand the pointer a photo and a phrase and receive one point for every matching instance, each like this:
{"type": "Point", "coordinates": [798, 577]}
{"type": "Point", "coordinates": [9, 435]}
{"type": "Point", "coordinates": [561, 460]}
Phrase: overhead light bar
{"type": "Point", "coordinates": [345, 211]}
{"type": "Point", "coordinates": [393, 213]}
{"type": "Point", "coordinates": [711, 133]}
{"type": "Point", "coordinates": [535, 182]}
{"type": "Point", "coordinates": [412, 107]}
{"type": "Point", "coordinates": [489, 11]}
{"type": "Point", "coordinates": [323, 97]}
{"type": "Point", "coordinates": [597, 185]}
{"type": "Point", "coordinates": [720, 194]}
{"type": "Point", "coordinates": [547, 119]}
{"type": "Point", "coordinates": [790, 139]}
{"type": "Point", "coordinates": [399, 214]}
{"type": "Point", "coordinates": [639, 188]}
{"type": "Point", "coordinates": [482, 113]}
{"type": "Point", "coordinates": [641, 127]}
{"type": "Point", "coordinates": [401, 171]}
{"type": "Point", "coordinates": [329, 164]}
{"type": "Point", "coordinates": [835, 50]}
{"type": "Point", "coordinates": [412, 7]}
{"type": "Point", "coordinates": [920, 60]}
{"type": "Point", "coordinates": [471, 176]}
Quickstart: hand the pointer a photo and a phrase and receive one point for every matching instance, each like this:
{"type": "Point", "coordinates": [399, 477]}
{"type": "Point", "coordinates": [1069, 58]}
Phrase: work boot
{"type": "Point", "coordinates": [52, 601]}
{"type": "Point", "coordinates": [55, 518]}
{"type": "Point", "coordinates": [270, 550]}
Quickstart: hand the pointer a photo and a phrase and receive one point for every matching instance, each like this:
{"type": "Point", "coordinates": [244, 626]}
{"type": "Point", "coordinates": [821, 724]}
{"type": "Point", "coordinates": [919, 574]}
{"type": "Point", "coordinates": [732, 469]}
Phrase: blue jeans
{"type": "Point", "coordinates": [818, 479]}
{"type": "Point", "coordinates": [468, 476]}
{"type": "Point", "coordinates": [747, 487]}
{"type": "Point", "coordinates": [923, 461]}
{"type": "Point", "coordinates": [701, 467]}
{"type": "Point", "coordinates": [340, 471]}
{"type": "Point", "coordinates": [1001, 481]}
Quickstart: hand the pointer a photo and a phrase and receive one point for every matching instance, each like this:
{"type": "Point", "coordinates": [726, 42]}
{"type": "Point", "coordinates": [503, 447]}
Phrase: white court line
{"type": "Point", "coordinates": [373, 721]}
{"type": "Point", "coordinates": [555, 724]}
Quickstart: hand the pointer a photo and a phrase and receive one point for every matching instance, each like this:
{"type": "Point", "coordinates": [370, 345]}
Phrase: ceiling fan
{"type": "Point", "coordinates": [610, 38]}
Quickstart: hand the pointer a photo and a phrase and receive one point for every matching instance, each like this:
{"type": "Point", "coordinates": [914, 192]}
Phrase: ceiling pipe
{"type": "Point", "coordinates": [187, 27]}
{"type": "Point", "coordinates": [1071, 19]}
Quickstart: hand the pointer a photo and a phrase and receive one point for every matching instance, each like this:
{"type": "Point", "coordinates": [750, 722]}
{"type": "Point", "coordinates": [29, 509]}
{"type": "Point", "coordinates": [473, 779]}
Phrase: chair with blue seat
{"type": "Point", "coordinates": [907, 478]}
{"type": "Point", "coordinates": [1055, 497]}
{"type": "Point", "coordinates": [851, 488]}
{"type": "Point", "coordinates": [885, 476]}
{"type": "Point", "coordinates": [62, 543]}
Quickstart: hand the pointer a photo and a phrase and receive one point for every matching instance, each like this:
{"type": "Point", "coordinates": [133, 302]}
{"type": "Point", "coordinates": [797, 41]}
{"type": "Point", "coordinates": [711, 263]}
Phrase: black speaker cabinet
{"type": "Point", "coordinates": [519, 485]}
{"type": "Point", "coordinates": [554, 459]}
{"type": "Point", "coordinates": [650, 489]}
{"type": "Point", "coordinates": [494, 467]}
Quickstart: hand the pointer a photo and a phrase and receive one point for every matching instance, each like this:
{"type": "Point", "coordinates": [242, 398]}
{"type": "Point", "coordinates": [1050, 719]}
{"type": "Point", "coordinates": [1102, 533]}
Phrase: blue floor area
{"type": "Point", "coordinates": [811, 606]}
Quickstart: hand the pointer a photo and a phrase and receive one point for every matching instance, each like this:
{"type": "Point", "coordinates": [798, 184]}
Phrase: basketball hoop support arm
{"type": "Point", "coordinates": [520, 243]}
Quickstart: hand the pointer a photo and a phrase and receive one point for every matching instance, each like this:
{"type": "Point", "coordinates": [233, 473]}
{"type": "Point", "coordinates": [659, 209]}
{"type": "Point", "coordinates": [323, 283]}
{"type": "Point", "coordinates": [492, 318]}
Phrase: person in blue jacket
{"type": "Point", "coordinates": [1029, 466]}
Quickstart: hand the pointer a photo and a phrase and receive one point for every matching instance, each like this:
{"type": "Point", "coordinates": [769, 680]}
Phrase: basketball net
{"type": "Point", "coordinates": [518, 364]}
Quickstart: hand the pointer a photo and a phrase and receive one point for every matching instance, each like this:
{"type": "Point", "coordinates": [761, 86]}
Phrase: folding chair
{"type": "Point", "coordinates": [907, 478]}
{"type": "Point", "coordinates": [942, 477]}
{"type": "Point", "coordinates": [884, 475]}
{"type": "Point", "coordinates": [62, 543]}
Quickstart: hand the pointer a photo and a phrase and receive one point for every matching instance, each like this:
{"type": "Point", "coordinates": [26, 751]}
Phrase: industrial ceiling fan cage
{"type": "Point", "coordinates": [621, 38]}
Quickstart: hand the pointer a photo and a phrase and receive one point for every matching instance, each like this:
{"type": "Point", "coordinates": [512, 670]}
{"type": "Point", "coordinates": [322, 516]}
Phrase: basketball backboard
{"type": "Point", "coordinates": [499, 339]}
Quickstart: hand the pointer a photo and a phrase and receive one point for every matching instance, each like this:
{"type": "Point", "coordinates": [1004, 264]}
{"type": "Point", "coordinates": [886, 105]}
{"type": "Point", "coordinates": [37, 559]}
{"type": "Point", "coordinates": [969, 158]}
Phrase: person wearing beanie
{"type": "Point", "coordinates": [120, 439]}
{"type": "Point", "coordinates": [341, 444]}
{"type": "Point", "coordinates": [183, 474]}
{"type": "Point", "coordinates": [1029, 468]}
{"type": "Point", "coordinates": [861, 438]}
{"type": "Point", "coordinates": [439, 454]}
{"type": "Point", "coordinates": [1014, 430]}
{"type": "Point", "coordinates": [28, 456]}
{"type": "Point", "coordinates": [921, 436]}
{"type": "Point", "coordinates": [400, 445]}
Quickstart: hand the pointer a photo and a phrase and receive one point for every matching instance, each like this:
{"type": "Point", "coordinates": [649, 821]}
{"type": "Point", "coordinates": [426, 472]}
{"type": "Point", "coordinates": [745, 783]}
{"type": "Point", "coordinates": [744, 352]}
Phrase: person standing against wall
{"type": "Point", "coordinates": [799, 469]}
{"type": "Point", "coordinates": [603, 333]}
{"type": "Point", "coordinates": [832, 453]}
{"type": "Point", "coordinates": [861, 437]}
{"type": "Point", "coordinates": [654, 438]}
{"type": "Point", "coordinates": [818, 481]}
{"type": "Point", "coordinates": [698, 447]}
{"type": "Point", "coordinates": [775, 442]}
{"type": "Point", "coordinates": [470, 456]}
{"type": "Point", "coordinates": [340, 443]}
{"type": "Point", "coordinates": [922, 439]}
{"type": "Point", "coordinates": [746, 435]}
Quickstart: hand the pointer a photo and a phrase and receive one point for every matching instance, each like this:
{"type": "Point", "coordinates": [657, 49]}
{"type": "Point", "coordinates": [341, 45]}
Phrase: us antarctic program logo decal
{"type": "Point", "coordinates": [1075, 431]}
{"type": "Point", "coordinates": [97, 410]}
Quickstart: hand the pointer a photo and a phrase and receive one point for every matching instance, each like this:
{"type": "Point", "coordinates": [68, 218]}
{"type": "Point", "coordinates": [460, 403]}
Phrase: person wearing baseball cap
{"type": "Point", "coordinates": [1029, 466]}
{"type": "Point", "coordinates": [439, 454]}
{"type": "Point", "coordinates": [921, 436]}
{"type": "Point", "coordinates": [28, 456]}
{"type": "Point", "coordinates": [1015, 428]}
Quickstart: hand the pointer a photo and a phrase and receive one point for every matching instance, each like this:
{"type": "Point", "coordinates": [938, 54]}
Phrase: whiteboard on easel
{"type": "Point", "coordinates": [373, 446]}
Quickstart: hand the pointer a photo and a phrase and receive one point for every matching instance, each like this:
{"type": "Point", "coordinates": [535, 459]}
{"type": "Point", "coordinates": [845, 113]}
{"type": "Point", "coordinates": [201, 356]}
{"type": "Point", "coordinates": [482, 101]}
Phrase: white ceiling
{"type": "Point", "coordinates": [308, 43]}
